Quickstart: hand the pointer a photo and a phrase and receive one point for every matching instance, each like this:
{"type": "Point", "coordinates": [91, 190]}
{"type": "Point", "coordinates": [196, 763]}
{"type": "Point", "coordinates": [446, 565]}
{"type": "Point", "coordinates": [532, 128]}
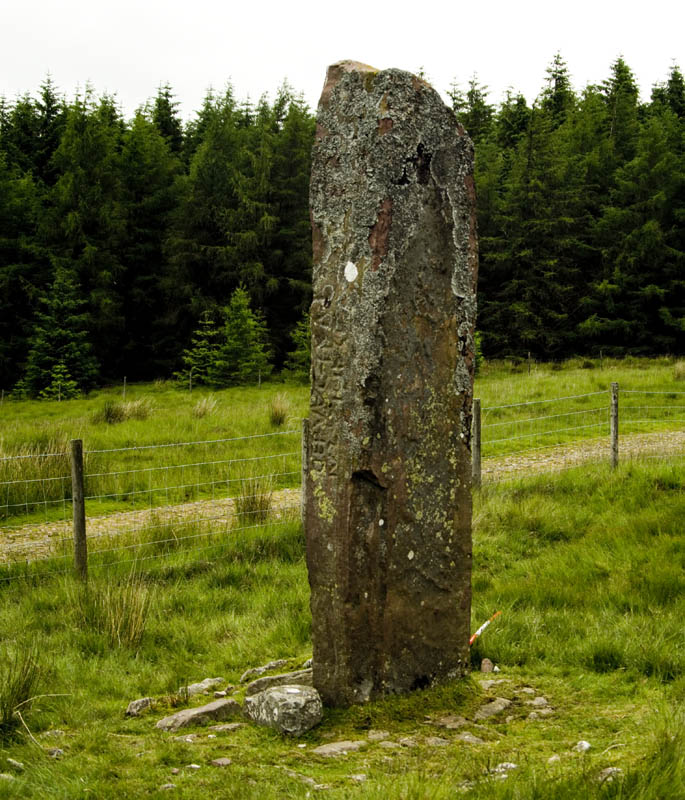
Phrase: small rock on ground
{"type": "Point", "coordinates": [227, 727]}
{"type": "Point", "coordinates": [582, 746]}
{"type": "Point", "coordinates": [493, 708]}
{"type": "Point", "coordinates": [17, 765]}
{"type": "Point", "coordinates": [338, 748]}
{"type": "Point", "coordinates": [221, 762]}
{"type": "Point", "coordinates": [436, 741]}
{"type": "Point", "coordinates": [469, 738]}
{"type": "Point", "coordinates": [136, 706]}
{"type": "Point", "coordinates": [609, 774]}
{"type": "Point", "coordinates": [451, 722]}
{"type": "Point", "coordinates": [201, 687]}
{"type": "Point", "coordinates": [377, 736]}
{"type": "Point", "coordinates": [288, 709]}
{"type": "Point", "coordinates": [201, 715]}
{"type": "Point", "coordinates": [486, 665]}
{"type": "Point", "coordinates": [167, 786]}
{"type": "Point", "coordinates": [302, 677]}
{"type": "Point", "coordinates": [5, 776]}
{"type": "Point", "coordinates": [257, 671]}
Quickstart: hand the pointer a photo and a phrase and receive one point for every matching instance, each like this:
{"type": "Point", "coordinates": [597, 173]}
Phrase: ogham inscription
{"type": "Point", "coordinates": [387, 504]}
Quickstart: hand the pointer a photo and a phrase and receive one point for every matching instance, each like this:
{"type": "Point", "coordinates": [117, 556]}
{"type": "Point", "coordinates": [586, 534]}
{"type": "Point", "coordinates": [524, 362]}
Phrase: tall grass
{"type": "Point", "coordinates": [20, 674]}
{"type": "Point", "coordinates": [118, 609]}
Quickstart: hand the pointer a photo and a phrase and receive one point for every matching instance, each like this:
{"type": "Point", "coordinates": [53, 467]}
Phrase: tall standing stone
{"type": "Point", "coordinates": [387, 499]}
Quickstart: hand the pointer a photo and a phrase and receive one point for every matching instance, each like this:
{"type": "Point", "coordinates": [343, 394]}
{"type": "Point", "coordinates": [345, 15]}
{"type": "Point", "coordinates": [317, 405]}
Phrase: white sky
{"type": "Point", "coordinates": [130, 47]}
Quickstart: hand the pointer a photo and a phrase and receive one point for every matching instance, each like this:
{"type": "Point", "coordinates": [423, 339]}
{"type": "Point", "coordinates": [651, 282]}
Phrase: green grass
{"type": "Point", "coordinates": [586, 566]}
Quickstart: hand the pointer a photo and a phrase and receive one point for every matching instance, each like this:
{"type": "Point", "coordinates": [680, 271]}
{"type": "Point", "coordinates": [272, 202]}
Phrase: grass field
{"type": "Point", "coordinates": [587, 567]}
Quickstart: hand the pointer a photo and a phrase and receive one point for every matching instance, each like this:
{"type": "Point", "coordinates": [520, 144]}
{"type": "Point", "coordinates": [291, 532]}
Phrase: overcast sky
{"type": "Point", "coordinates": [130, 47]}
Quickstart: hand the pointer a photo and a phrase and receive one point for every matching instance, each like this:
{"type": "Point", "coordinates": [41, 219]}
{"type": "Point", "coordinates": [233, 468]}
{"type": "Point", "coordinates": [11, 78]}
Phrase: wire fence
{"type": "Point", "coordinates": [146, 503]}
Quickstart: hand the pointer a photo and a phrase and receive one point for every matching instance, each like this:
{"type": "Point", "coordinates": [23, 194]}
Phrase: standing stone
{"type": "Point", "coordinates": [387, 497]}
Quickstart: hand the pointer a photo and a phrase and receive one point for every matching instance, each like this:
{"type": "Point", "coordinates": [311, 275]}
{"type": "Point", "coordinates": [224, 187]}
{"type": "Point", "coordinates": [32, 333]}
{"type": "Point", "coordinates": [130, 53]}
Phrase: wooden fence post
{"type": "Point", "coordinates": [305, 467]}
{"type": "Point", "coordinates": [476, 444]}
{"type": "Point", "coordinates": [613, 428]}
{"type": "Point", "coordinates": [79, 506]}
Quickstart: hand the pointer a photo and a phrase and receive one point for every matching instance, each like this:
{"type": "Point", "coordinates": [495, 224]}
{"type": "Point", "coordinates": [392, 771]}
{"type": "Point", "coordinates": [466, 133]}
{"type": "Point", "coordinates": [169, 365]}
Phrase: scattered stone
{"type": "Point", "coordinates": [55, 752]}
{"type": "Point", "coordinates": [175, 770]}
{"type": "Point", "coordinates": [541, 712]}
{"type": "Point", "coordinates": [189, 739]}
{"type": "Point", "coordinates": [497, 706]}
{"type": "Point", "coordinates": [488, 684]}
{"type": "Point", "coordinates": [257, 671]}
{"type": "Point", "coordinates": [496, 668]}
{"type": "Point", "coordinates": [504, 768]}
{"type": "Point", "coordinates": [357, 778]}
{"type": "Point", "coordinates": [202, 687]}
{"type": "Point", "coordinates": [527, 690]}
{"type": "Point", "coordinates": [436, 741]}
{"type": "Point", "coordinates": [486, 665]}
{"type": "Point", "coordinates": [451, 722]}
{"type": "Point", "coordinates": [167, 786]}
{"type": "Point", "coordinates": [538, 702]}
{"type": "Point", "coordinates": [394, 259]}
{"type": "Point", "coordinates": [5, 776]}
{"type": "Point", "coordinates": [301, 677]}
{"type": "Point", "coordinates": [193, 766]}
{"type": "Point", "coordinates": [409, 741]}
{"type": "Point", "coordinates": [221, 693]}
{"type": "Point", "coordinates": [202, 715]}
{"type": "Point", "coordinates": [553, 759]}
{"type": "Point", "coordinates": [510, 718]}
{"type": "Point", "coordinates": [308, 663]}
{"type": "Point", "coordinates": [227, 727]}
{"type": "Point", "coordinates": [15, 764]}
{"type": "Point", "coordinates": [211, 735]}
{"type": "Point", "coordinates": [288, 709]}
{"type": "Point", "coordinates": [221, 762]}
{"type": "Point", "coordinates": [388, 745]}
{"type": "Point", "coordinates": [136, 706]}
{"type": "Point", "coordinates": [338, 748]}
{"type": "Point", "coordinates": [469, 738]}
{"type": "Point", "coordinates": [54, 733]}
{"type": "Point", "coordinates": [377, 736]}
{"type": "Point", "coordinates": [610, 774]}
{"type": "Point", "coordinates": [582, 746]}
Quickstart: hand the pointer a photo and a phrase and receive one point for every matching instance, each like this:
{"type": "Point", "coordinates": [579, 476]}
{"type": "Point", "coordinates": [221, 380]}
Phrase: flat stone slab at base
{"type": "Point", "coordinates": [339, 748]}
{"type": "Point", "coordinates": [288, 709]}
{"type": "Point", "coordinates": [302, 677]}
{"type": "Point", "coordinates": [497, 706]}
{"type": "Point", "coordinates": [202, 715]}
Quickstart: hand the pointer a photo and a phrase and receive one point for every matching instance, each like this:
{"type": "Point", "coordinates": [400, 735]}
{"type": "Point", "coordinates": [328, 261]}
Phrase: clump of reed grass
{"type": "Point", "coordinates": [114, 411]}
{"type": "Point", "coordinates": [20, 674]}
{"type": "Point", "coordinates": [253, 503]}
{"type": "Point", "coordinates": [279, 410]}
{"type": "Point", "coordinates": [679, 371]}
{"type": "Point", "coordinates": [117, 609]}
{"type": "Point", "coordinates": [205, 406]}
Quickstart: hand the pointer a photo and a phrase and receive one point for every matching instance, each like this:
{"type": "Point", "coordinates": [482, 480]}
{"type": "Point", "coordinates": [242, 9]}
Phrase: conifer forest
{"type": "Point", "coordinates": [153, 246]}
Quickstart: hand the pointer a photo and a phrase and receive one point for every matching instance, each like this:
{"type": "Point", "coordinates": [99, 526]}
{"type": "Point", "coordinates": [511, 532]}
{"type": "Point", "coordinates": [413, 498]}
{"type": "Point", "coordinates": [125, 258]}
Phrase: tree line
{"type": "Point", "coordinates": [127, 244]}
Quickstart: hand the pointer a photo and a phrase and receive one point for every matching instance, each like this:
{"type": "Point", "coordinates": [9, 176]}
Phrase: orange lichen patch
{"type": "Point", "coordinates": [380, 233]}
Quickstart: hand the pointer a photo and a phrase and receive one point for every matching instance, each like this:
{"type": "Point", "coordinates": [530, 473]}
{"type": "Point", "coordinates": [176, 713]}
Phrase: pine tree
{"type": "Point", "coordinates": [199, 359]}
{"type": "Point", "coordinates": [59, 345]}
{"type": "Point", "coordinates": [298, 362]}
{"type": "Point", "coordinates": [244, 355]}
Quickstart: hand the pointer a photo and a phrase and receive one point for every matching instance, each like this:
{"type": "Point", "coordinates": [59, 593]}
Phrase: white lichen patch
{"type": "Point", "coordinates": [410, 555]}
{"type": "Point", "coordinates": [351, 272]}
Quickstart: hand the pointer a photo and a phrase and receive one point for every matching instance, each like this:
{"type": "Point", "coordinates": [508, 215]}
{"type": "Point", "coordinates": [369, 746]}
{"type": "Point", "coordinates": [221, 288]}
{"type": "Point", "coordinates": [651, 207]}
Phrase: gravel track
{"type": "Point", "coordinates": [36, 541]}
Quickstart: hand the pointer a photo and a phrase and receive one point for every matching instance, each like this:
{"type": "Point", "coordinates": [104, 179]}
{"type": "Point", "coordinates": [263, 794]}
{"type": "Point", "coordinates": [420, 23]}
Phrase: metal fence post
{"type": "Point", "coordinates": [476, 444]}
{"type": "Point", "coordinates": [305, 468]}
{"type": "Point", "coordinates": [79, 505]}
{"type": "Point", "coordinates": [613, 427]}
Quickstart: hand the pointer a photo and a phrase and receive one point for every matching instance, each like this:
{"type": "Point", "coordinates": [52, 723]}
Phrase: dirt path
{"type": "Point", "coordinates": [32, 542]}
